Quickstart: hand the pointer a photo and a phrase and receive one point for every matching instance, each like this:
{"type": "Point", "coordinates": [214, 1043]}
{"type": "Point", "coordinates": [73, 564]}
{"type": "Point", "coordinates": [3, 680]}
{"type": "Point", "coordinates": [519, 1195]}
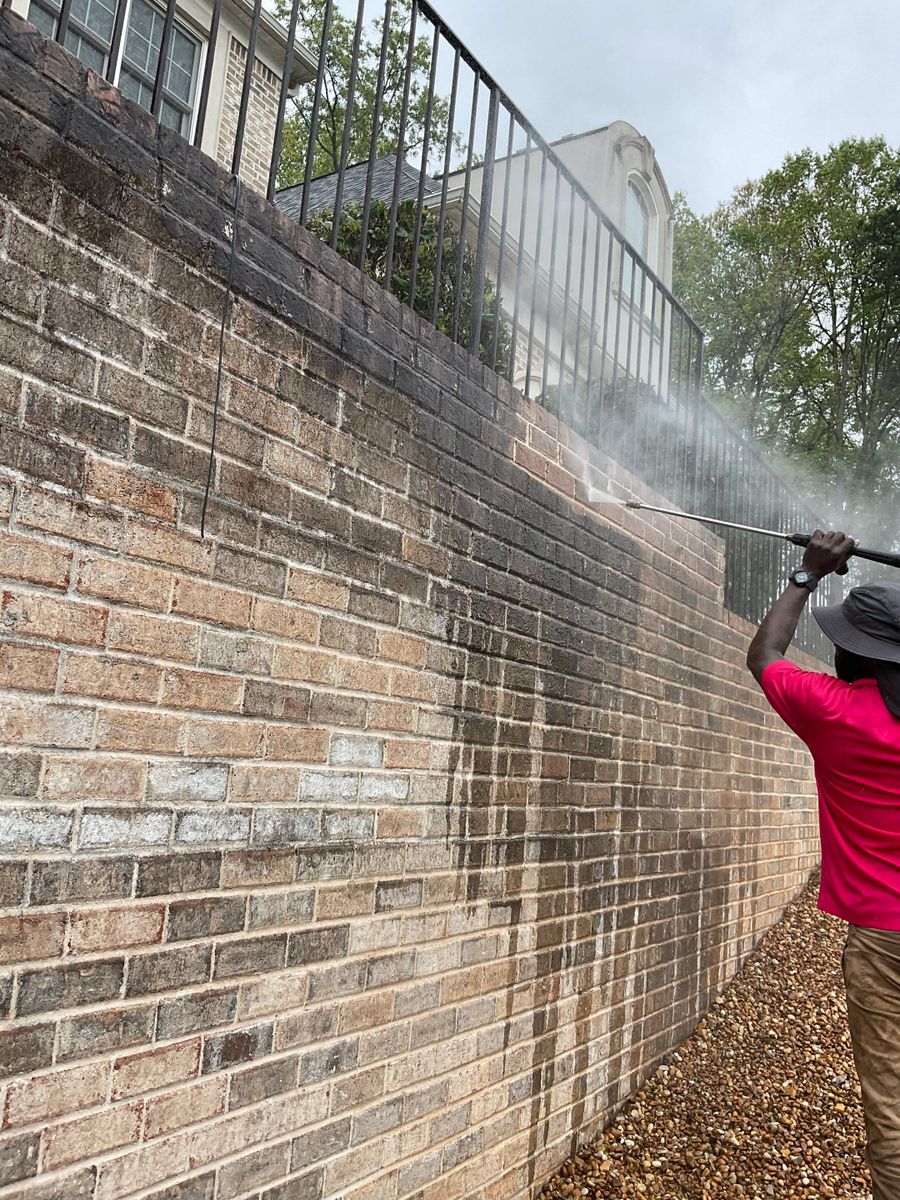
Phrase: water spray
{"type": "Point", "coordinates": [885, 557]}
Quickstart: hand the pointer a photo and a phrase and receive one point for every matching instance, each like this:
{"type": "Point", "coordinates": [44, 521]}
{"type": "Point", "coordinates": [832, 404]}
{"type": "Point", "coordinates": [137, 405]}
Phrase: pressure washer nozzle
{"type": "Point", "coordinates": [633, 504]}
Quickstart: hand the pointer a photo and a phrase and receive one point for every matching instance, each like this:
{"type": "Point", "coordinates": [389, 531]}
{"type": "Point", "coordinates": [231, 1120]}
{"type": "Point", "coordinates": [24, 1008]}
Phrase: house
{"type": "Point", "coordinates": [540, 278]}
{"type": "Point", "coordinates": [120, 40]}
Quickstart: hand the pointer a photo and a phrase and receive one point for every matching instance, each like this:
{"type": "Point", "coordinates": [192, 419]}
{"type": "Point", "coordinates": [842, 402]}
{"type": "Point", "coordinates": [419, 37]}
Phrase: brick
{"type": "Point", "coordinates": [206, 917]}
{"type": "Point", "coordinates": [155, 637]}
{"type": "Point", "coordinates": [348, 750]}
{"type": "Point", "coordinates": [61, 880]}
{"type": "Point", "coordinates": [257, 868]}
{"type": "Point", "coordinates": [12, 884]}
{"type": "Point", "coordinates": [396, 894]}
{"type": "Point", "coordinates": [202, 690]}
{"type": "Point", "coordinates": [225, 1050]}
{"type": "Point", "coordinates": [407, 754]}
{"type": "Point", "coordinates": [68, 779]}
{"type": "Point", "coordinates": [169, 873]}
{"type": "Point", "coordinates": [212, 826]}
{"type": "Point", "coordinates": [168, 969]}
{"type": "Point", "coordinates": [69, 986]}
{"type": "Point", "coordinates": [149, 1070]}
{"type": "Point", "coordinates": [321, 1143]}
{"type": "Point", "coordinates": [110, 678]}
{"type": "Point", "coordinates": [182, 1015]}
{"type": "Point", "coordinates": [139, 732]}
{"type": "Point", "coordinates": [34, 561]}
{"type": "Point", "coordinates": [402, 648]}
{"type": "Point", "coordinates": [317, 945]}
{"type": "Point", "coordinates": [288, 908]}
{"type": "Point", "coordinates": [77, 319]}
{"type": "Point", "coordinates": [348, 826]}
{"type": "Point", "coordinates": [18, 1157]}
{"type": "Point", "coordinates": [208, 602]}
{"type": "Point", "coordinates": [331, 709]}
{"type": "Point", "coordinates": [26, 938]}
{"type": "Point", "coordinates": [288, 743]}
{"type": "Point", "coordinates": [109, 828]}
{"type": "Point", "coordinates": [91, 1136]}
{"type": "Point", "coordinates": [78, 1185]}
{"type": "Point", "coordinates": [125, 582]}
{"type": "Point", "coordinates": [318, 590]}
{"type": "Point", "coordinates": [253, 1170]}
{"type": "Point", "coordinates": [222, 738]}
{"type": "Point", "coordinates": [35, 828]}
{"type": "Point", "coordinates": [278, 701]}
{"type": "Point", "coordinates": [251, 572]}
{"type": "Point", "coordinates": [187, 782]}
{"type": "Point", "coordinates": [249, 956]}
{"type": "Point", "coordinates": [307, 666]}
{"type": "Point", "coordinates": [164, 545]}
{"type": "Point", "coordinates": [328, 1061]}
{"type": "Point", "coordinates": [25, 1050]}
{"type": "Point", "coordinates": [63, 1091]}
{"type": "Point", "coordinates": [20, 775]}
{"type": "Point", "coordinates": [59, 620]}
{"type": "Point", "coordinates": [182, 1108]}
{"type": "Point", "coordinates": [229, 652]}
{"type": "Point", "coordinates": [88, 523]}
{"type": "Point", "coordinates": [114, 928]}
{"type": "Point", "coordinates": [252, 784]}
{"type": "Point", "coordinates": [42, 723]}
{"type": "Point", "coordinates": [309, 1186]}
{"type": "Point", "coordinates": [290, 621]}
{"type": "Point", "coordinates": [123, 488]}
{"type": "Point", "coordinates": [31, 668]}
{"type": "Point", "coordinates": [112, 1029]}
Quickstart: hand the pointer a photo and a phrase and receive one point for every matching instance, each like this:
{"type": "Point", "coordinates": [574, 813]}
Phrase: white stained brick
{"type": "Point", "coordinates": [35, 828]}
{"type": "Point", "coordinates": [328, 786]}
{"type": "Point", "coordinates": [113, 827]}
{"type": "Point", "coordinates": [383, 787]}
{"type": "Point", "coordinates": [187, 783]}
{"type": "Point", "coordinates": [348, 750]}
{"type": "Point", "coordinates": [210, 826]}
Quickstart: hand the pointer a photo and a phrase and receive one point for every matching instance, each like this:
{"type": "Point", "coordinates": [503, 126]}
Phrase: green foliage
{"type": "Point", "coordinates": [796, 281]}
{"type": "Point", "coordinates": [348, 246]}
{"type": "Point", "coordinates": [336, 89]}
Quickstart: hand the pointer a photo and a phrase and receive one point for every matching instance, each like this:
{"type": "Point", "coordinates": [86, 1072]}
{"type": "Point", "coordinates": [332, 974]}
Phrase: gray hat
{"type": "Point", "coordinates": [867, 623]}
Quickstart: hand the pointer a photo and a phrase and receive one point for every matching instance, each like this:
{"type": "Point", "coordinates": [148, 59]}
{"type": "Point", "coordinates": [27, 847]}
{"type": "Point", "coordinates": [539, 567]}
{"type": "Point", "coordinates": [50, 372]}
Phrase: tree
{"type": "Point", "coordinates": [454, 303]}
{"type": "Point", "coordinates": [336, 89]}
{"type": "Point", "coordinates": [796, 282]}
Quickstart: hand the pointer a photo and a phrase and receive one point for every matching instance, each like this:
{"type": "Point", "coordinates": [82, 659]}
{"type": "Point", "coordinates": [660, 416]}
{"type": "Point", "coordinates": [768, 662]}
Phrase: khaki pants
{"type": "Point", "coordinates": [871, 966]}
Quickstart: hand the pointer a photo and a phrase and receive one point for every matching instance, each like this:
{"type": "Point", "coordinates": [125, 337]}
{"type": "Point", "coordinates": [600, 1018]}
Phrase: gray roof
{"type": "Point", "coordinates": [322, 191]}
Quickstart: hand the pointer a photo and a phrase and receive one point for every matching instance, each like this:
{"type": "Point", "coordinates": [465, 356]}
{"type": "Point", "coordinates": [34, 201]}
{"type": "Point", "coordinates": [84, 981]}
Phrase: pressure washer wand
{"type": "Point", "coordinates": [886, 557]}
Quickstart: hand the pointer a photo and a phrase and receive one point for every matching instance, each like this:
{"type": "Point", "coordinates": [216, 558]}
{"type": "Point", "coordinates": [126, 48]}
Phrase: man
{"type": "Point", "coordinates": [852, 727]}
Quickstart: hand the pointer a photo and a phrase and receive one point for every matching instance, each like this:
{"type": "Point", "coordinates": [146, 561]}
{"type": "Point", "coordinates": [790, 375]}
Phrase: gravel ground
{"type": "Point", "coordinates": [761, 1101]}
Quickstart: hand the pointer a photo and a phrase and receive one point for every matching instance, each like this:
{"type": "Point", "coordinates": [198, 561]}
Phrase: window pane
{"type": "Point", "coordinates": [180, 75]}
{"type": "Point", "coordinates": [44, 20]}
{"type": "Point", "coordinates": [97, 16]}
{"type": "Point", "coordinates": [135, 89]}
{"type": "Point", "coordinates": [637, 221]}
{"type": "Point", "coordinates": [86, 51]}
{"type": "Point", "coordinates": [144, 36]}
{"type": "Point", "coordinates": [173, 117]}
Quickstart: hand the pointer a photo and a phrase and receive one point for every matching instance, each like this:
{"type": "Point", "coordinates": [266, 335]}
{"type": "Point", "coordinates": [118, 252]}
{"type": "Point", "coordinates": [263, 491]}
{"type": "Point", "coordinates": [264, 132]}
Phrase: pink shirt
{"type": "Point", "coordinates": [855, 744]}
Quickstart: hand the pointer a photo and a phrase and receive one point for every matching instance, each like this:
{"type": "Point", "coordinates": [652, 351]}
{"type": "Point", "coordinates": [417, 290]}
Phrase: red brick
{"type": "Point", "coordinates": [257, 868]}
{"type": "Point", "coordinates": [34, 561]}
{"type": "Point", "coordinates": [318, 590]}
{"type": "Point", "coordinates": [223, 739]}
{"type": "Point", "coordinates": [83, 1139]}
{"type": "Point", "coordinates": [23, 939]}
{"type": "Point", "coordinates": [407, 754]}
{"type": "Point", "coordinates": [399, 647]}
{"type": "Point", "coordinates": [208, 601]}
{"type": "Point", "coordinates": [159, 544]}
{"type": "Point", "coordinates": [285, 620]}
{"type": "Point", "coordinates": [126, 582]}
{"type": "Point", "coordinates": [202, 690]}
{"type": "Point", "coordinates": [70, 779]}
{"type": "Point", "coordinates": [293, 744]}
{"type": "Point", "coordinates": [38, 722]}
{"type": "Point", "coordinates": [392, 715]}
{"type": "Point", "coordinates": [263, 784]}
{"type": "Point", "coordinates": [187, 1106]}
{"type": "Point", "coordinates": [56, 1094]}
{"type": "Point", "coordinates": [156, 637]}
{"type": "Point", "coordinates": [124, 489]}
{"type": "Point", "coordinates": [139, 732]}
{"type": "Point", "coordinates": [114, 928]}
{"type": "Point", "coordinates": [149, 1070]}
{"type": "Point", "coordinates": [110, 678]}
{"type": "Point", "coordinates": [290, 463]}
{"type": "Point", "coordinates": [57, 619]}
{"type": "Point", "coordinates": [69, 518]}
{"type": "Point", "coordinates": [31, 668]}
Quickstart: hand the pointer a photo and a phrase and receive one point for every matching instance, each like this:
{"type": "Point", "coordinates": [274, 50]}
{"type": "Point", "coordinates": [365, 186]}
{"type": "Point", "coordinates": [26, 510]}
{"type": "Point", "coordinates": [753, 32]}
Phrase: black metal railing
{"type": "Point", "coordinates": [404, 154]}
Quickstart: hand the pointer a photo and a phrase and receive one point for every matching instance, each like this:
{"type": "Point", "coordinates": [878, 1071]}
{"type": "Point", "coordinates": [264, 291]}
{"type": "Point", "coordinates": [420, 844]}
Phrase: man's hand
{"type": "Point", "coordinates": [828, 552]}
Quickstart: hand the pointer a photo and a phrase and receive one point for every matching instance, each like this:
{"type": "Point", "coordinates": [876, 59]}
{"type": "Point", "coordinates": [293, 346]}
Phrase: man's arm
{"type": "Point", "coordinates": [825, 553]}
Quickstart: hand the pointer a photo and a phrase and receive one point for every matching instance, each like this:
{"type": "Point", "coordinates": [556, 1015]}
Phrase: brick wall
{"type": "Point", "coordinates": [262, 115]}
{"type": "Point", "coordinates": [378, 844]}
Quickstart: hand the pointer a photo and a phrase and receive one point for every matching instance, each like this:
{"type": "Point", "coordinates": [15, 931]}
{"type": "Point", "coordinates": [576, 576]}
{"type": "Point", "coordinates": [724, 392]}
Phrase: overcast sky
{"type": "Point", "coordinates": [722, 88]}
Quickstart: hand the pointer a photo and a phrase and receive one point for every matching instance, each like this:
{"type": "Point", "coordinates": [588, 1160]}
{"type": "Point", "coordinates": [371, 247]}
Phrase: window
{"type": "Point", "coordinates": [637, 232]}
{"type": "Point", "coordinates": [89, 35]}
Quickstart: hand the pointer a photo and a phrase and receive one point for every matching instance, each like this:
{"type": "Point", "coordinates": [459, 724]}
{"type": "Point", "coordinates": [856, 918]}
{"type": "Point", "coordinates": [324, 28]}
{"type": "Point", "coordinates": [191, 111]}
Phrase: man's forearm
{"type": "Point", "coordinates": [777, 631]}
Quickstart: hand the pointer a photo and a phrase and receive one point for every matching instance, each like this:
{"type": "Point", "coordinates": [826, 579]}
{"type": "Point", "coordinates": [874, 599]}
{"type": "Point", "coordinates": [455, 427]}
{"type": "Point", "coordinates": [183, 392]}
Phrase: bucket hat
{"type": "Point", "coordinates": [867, 623]}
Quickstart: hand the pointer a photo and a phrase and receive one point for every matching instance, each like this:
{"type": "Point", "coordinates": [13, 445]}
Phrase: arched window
{"type": "Point", "coordinates": [637, 220]}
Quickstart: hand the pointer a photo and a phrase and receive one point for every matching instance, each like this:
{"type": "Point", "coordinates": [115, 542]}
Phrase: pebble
{"type": "Point", "coordinates": [762, 1100]}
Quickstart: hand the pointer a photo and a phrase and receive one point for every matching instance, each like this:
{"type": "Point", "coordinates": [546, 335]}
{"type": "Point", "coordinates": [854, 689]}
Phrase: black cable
{"type": "Point", "coordinates": [226, 311]}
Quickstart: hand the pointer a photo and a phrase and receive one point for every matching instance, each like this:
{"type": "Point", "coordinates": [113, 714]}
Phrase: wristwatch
{"type": "Point", "coordinates": [804, 578]}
